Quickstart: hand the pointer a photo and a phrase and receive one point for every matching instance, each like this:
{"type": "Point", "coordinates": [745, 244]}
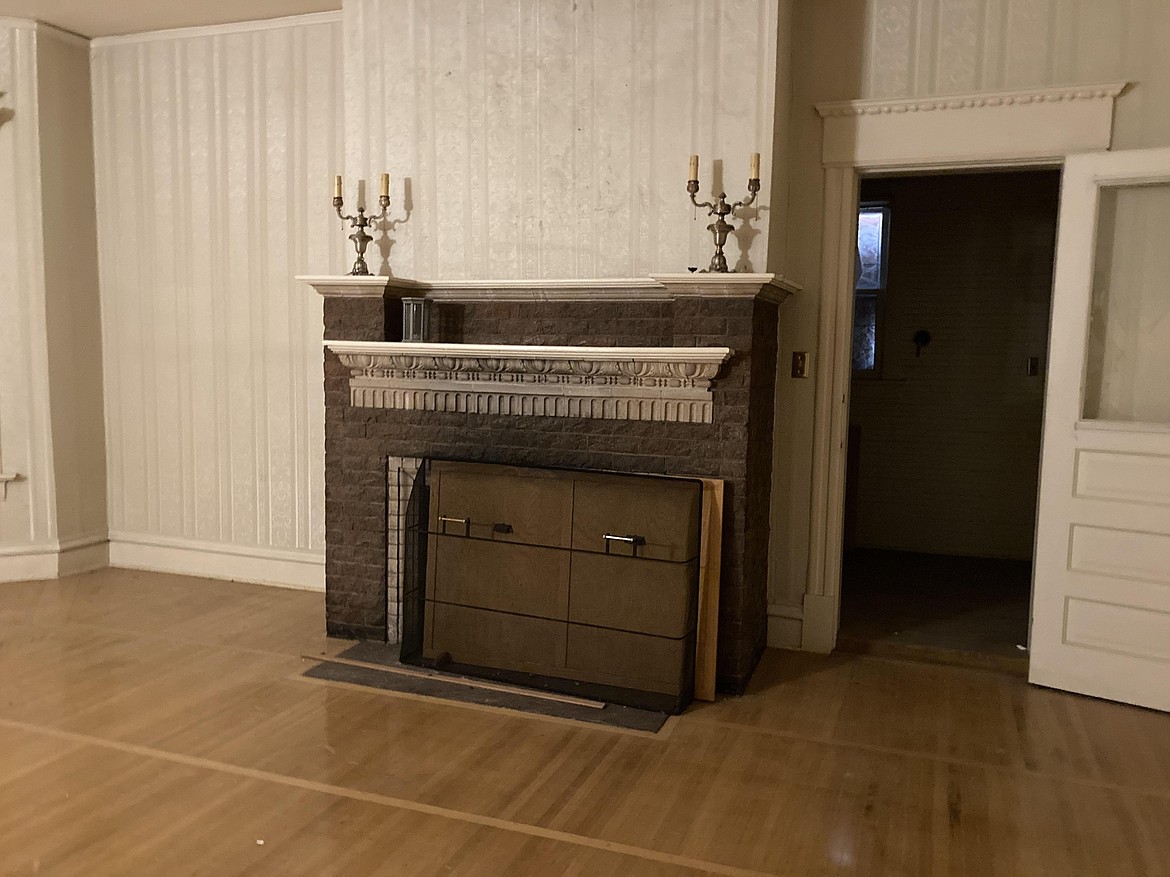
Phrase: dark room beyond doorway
{"type": "Point", "coordinates": [950, 339]}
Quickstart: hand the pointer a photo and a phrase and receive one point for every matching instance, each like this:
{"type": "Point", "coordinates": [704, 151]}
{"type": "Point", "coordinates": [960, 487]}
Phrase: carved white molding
{"type": "Point", "coordinates": [614, 383]}
{"type": "Point", "coordinates": [1009, 127]}
{"type": "Point", "coordinates": [656, 287]}
{"type": "Point", "coordinates": [973, 101]}
{"type": "Point", "coordinates": [347, 286]}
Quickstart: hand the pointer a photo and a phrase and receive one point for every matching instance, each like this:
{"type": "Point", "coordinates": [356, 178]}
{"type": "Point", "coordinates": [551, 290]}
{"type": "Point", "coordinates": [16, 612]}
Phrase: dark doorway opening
{"type": "Point", "coordinates": [950, 343]}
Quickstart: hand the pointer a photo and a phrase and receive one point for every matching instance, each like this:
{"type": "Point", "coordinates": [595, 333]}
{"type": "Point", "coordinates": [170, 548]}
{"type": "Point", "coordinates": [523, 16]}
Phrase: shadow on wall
{"type": "Point", "coordinates": [6, 113]}
{"type": "Point", "coordinates": [383, 241]}
{"type": "Point", "coordinates": [744, 234]}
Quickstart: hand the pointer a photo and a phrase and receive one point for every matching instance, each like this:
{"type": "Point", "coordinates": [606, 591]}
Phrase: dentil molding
{"type": "Point", "coordinates": [1037, 126]}
{"type": "Point", "coordinates": [972, 101]}
{"type": "Point", "coordinates": [671, 384]}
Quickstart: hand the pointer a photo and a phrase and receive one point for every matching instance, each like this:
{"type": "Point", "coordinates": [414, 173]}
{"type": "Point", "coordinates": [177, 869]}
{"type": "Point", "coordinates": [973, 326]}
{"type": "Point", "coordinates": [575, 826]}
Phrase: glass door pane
{"type": "Point", "coordinates": [1128, 369]}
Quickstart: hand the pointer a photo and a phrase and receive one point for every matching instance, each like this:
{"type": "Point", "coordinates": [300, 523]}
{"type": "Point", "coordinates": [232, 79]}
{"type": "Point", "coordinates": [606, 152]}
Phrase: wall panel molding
{"type": "Point", "coordinates": [212, 30]}
{"type": "Point", "coordinates": [28, 510]}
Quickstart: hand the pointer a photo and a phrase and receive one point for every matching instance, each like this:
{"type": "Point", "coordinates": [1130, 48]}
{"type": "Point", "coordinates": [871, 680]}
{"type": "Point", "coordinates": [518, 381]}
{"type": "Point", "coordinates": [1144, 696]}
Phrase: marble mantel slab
{"type": "Point", "coordinates": [671, 384]}
{"type": "Point", "coordinates": [657, 287]}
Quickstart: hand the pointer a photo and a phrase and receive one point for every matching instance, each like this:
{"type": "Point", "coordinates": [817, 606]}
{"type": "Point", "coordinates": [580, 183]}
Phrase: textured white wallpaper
{"type": "Point", "coordinates": [28, 515]}
{"type": "Point", "coordinates": [953, 46]}
{"type": "Point", "coordinates": [550, 139]}
{"type": "Point", "coordinates": [912, 48]}
{"type": "Point", "coordinates": [214, 156]}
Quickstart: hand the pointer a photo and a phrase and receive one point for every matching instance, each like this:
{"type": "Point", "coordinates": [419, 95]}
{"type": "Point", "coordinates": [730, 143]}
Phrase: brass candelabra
{"type": "Point", "coordinates": [720, 209]}
{"type": "Point", "coordinates": [360, 223]}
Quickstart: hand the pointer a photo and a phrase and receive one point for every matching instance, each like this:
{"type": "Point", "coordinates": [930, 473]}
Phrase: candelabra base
{"type": "Point", "coordinates": [721, 228]}
{"type": "Point", "coordinates": [360, 238]}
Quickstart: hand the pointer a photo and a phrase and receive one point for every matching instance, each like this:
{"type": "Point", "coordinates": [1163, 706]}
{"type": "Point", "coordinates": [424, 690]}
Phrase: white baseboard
{"type": "Point", "coordinates": [51, 560]}
{"type": "Point", "coordinates": [83, 555]}
{"type": "Point", "coordinates": [783, 631]}
{"type": "Point", "coordinates": [303, 570]}
{"type": "Point", "coordinates": [28, 563]}
{"type": "Point", "coordinates": [819, 631]}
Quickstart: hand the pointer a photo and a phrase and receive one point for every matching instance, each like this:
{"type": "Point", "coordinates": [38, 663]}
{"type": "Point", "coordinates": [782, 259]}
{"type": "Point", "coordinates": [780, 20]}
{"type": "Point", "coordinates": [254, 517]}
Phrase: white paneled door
{"type": "Point", "coordinates": [1101, 600]}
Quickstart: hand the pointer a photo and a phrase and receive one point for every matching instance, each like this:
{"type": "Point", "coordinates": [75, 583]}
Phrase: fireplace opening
{"type": "Point", "coordinates": [574, 581]}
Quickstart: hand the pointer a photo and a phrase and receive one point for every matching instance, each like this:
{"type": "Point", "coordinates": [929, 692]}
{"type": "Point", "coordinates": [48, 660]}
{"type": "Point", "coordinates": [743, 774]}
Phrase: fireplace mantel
{"type": "Point", "coordinates": [653, 288]}
{"type": "Point", "coordinates": [670, 384]}
{"type": "Point", "coordinates": [673, 374]}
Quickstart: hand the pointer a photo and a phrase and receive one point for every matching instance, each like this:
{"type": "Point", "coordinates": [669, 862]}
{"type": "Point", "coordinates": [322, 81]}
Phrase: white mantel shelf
{"type": "Point", "coordinates": [656, 287]}
{"type": "Point", "coordinates": [671, 384]}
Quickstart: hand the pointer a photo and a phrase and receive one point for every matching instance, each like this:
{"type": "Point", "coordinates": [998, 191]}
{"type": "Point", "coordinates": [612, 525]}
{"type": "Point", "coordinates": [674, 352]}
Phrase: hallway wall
{"type": "Point", "coordinates": [950, 439]}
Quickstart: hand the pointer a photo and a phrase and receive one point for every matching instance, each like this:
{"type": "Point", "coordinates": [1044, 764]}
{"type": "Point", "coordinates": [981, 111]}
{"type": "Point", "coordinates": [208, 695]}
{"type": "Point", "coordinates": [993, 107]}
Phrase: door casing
{"type": "Point", "coordinates": [1002, 130]}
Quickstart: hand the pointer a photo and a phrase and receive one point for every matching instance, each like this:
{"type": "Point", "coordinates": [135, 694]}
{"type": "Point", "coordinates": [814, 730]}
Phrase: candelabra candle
{"type": "Point", "coordinates": [360, 223]}
{"type": "Point", "coordinates": [720, 209]}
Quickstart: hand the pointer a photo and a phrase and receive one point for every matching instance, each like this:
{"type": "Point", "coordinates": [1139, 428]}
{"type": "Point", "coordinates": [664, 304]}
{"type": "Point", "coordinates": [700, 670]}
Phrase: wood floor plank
{"type": "Point", "coordinates": [156, 724]}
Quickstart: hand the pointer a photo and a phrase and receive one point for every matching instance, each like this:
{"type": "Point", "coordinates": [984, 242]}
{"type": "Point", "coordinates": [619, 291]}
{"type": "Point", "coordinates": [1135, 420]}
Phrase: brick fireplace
{"type": "Point", "coordinates": [684, 311]}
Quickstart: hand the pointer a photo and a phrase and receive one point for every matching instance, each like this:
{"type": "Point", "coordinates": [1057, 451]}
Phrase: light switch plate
{"type": "Point", "coordinates": [800, 363]}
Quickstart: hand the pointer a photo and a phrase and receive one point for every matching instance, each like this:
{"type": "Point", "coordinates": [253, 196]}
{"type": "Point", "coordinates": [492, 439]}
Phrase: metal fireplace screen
{"type": "Point", "coordinates": [414, 565]}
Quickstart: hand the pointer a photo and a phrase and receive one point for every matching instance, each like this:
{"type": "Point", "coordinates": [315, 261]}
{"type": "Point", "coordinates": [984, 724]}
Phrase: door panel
{"type": "Point", "coordinates": [1101, 601]}
{"type": "Point", "coordinates": [1136, 478]}
{"type": "Point", "coordinates": [1121, 629]}
{"type": "Point", "coordinates": [1130, 554]}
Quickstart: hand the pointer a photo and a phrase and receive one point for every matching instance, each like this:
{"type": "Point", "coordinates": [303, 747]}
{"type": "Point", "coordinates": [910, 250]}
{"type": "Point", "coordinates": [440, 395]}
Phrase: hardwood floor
{"type": "Point", "coordinates": [155, 724]}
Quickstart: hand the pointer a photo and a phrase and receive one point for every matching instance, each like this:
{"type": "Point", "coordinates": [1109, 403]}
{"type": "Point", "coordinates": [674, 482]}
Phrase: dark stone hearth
{"type": "Point", "coordinates": [736, 447]}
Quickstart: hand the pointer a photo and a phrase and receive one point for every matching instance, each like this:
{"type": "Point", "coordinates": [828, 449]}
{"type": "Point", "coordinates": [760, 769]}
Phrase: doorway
{"type": "Point", "coordinates": [951, 318]}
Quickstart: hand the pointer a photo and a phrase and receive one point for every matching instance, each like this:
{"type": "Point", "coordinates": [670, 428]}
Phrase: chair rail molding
{"type": "Point", "coordinates": [980, 127]}
{"type": "Point", "coordinates": [670, 384]}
